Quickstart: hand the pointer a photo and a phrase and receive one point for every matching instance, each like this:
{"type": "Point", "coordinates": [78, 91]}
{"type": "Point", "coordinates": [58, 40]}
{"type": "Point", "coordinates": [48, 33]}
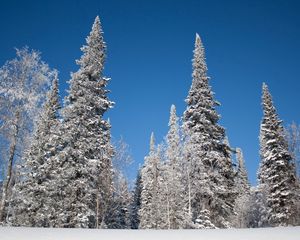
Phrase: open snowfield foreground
{"type": "Point", "coordinates": [280, 233]}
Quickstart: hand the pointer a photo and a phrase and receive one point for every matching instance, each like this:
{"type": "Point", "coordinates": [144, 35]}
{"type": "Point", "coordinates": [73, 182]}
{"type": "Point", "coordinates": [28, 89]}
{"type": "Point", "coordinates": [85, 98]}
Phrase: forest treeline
{"type": "Point", "coordinates": [61, 169]}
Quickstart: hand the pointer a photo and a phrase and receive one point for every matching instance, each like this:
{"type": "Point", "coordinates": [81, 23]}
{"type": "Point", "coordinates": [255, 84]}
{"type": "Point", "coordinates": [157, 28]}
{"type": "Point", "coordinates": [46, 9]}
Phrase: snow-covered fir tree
{"type": "Point", "coordinates": [136, 202]}
{"type": "Point", "coordinates": [29, 205]}
{"type": "Point", "coordinates": [150, 213]}
{"type": "Point", "coordinates": [176, 198]}
{"type": "Point", "coordinates": [242, 187]}
{"type": "Point", "coordinates": [276, 174]}
{"type": "Point", "coordinates": [84, 181]}
{"type": "Point", "coordinates": [164, 199]}
{"type": "Point", "coordinates": [211, 172]}
{"type": "Point", "coordinates": [241, 180]}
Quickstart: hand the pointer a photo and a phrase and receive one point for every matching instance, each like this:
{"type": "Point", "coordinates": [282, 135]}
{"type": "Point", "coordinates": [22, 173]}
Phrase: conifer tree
{"type": "Point", "coordinates": [176, 198]}
{"type": "Point", "coordinates": [211, 172]}
{"type": "Point", "coordinates": [150, 215]}
{"type": "Point", "coordinates": [241, 180]}
{"type": "Point", "coordinates": [242, 186]}
{"type": "Point", "coordinates": [30, 203]}
{"type": "Point", "coordinates": [276, 173]}
{"type": "Point", "coordinates": [136, 202]}
{"type": "Point", "coordinates": [85, 175]}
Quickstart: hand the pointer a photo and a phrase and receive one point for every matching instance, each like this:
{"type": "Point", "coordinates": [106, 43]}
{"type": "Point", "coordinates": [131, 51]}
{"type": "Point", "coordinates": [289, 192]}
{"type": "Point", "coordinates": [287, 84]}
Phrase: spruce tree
{"type": "Point", "coordinates": [149, 213]}
{"type": "Point", "coordinates": [30, 203]}
{"type": "Point", "coordinates": [241, 180]}
{"type": "Point", "coordinates": [211, 171]}
{"type": "Point", "coordinates": [84, 178]}
{"type": "Point", "coordinates": [276, 173]}
{"type": "Point", "coordinates": [242, 186]}
{"type": "Point", "coordinates": [136, 202]}
{"type": "Point", "coordinates": [176, 198]}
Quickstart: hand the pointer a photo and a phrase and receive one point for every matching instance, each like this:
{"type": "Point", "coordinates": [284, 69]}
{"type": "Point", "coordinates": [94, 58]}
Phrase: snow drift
{"type": "Point", "coordinates": [280, 233]}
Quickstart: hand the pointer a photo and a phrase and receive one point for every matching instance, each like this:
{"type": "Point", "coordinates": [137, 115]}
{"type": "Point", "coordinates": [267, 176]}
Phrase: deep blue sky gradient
{"type": "Point", "coordinates": [150, 46]}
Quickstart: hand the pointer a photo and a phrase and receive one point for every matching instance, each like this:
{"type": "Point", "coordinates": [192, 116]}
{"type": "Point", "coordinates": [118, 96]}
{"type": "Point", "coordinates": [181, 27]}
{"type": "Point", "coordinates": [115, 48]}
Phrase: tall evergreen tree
{"type": "Point", "coordinates": [136, 202]}
{"type": "Point", "coordinates": [276, 173]}
{"type": "Point", "coordinates": [84, 178]}
{"type": "Point", "coordinates": [176, 198]}
{"type": "Point", "coordinates": [30, 203]}
{"type": "Point", "coordinates": [211, 172]}
{"type": "Point", "coordinates": [242, 186]}
{"type": "Point", "coordinates": [150, 212]}
{"type": "Point", "coordinates": [241, 180]}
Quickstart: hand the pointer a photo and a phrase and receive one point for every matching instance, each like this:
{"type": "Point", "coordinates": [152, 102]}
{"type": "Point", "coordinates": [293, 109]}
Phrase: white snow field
{"type": "Point", "coordinates": [279, 233]}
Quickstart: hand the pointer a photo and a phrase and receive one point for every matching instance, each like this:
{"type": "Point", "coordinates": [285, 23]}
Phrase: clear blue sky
{"type": "Point", "coordinates": [150, 46]}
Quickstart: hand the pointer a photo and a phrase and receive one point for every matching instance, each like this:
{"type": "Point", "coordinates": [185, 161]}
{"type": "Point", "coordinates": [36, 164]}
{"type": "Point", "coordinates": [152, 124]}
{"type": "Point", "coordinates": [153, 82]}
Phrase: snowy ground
{"type": "Point", "coordinates": [289, 233]}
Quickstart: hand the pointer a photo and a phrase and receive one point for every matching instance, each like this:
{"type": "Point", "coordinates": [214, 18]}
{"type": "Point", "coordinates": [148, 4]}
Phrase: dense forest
{"type": "Point", "coordinates": [61, 168]}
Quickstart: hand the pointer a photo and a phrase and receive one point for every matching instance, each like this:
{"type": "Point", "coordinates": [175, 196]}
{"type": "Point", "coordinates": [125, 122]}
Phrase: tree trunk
{"type": "Point", "coordinates": [9, 172]}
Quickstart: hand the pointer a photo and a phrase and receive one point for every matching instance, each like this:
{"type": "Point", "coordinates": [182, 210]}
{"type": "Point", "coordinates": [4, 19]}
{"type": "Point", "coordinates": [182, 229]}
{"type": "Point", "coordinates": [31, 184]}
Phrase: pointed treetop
{"type": "Point", "coordinates": [96, 28]}
{"type": "Point", "coordinates": [173, 116]}
{"type": "Point", "coordinates": [97, 20]}
{"type": "Point", "coordinates": [173, 108]}
{"type": "Point", "coordinates": [265, 90]}
{"type": "Point", "coordinates": [266, 96]}
{"type": "Point", "coordinates": [92, 60]}
{"type": "Point", "coordinates": [269, 110]}
{"type": "Point", "coordinates": [243, 184]}
{"type": "Point", "coordinates": [200, 84]}
{"type": "Point", "coordinates": [55, 83]}
{"type": "Point", "coordinates": [198, 41]}
{"type": "Point", "coordinates": [52, 104]}
{"type": "Point", "coordinates": [152, 143]}
{"type": "Point", "coordinates": [199, 64]}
